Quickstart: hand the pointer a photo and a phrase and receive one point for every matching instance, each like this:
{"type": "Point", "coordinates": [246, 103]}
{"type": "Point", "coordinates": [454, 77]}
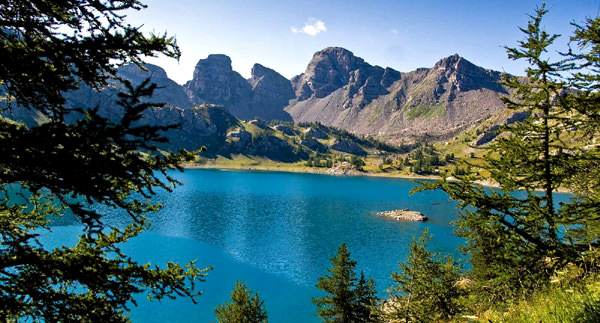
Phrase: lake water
{"type": "Point", "coordinates": [276, 231]}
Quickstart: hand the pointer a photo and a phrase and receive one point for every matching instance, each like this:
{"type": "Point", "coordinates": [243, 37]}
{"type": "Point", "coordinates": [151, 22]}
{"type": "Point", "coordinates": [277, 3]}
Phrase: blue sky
{"type": "Point", "coordinates": [404, 35]}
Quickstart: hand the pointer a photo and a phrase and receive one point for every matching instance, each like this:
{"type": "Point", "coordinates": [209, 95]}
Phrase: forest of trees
{"type": "Point", "coordinates": [519, 242]}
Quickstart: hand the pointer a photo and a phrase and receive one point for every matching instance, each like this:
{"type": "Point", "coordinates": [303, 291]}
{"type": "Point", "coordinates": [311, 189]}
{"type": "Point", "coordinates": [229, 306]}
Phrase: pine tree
{"type": "Point", "coordinates": [366, 301]}
{"type": "Point", "coordinates": [425, 287]}
{"type": "Point", "coordinates": [244, 308]}
{"type": "Point", "coordinates": [346, 301]}
{"type": "Point", "coordinates": [518, 235]}
{"type": "Point", "coordinates": [77, 160]}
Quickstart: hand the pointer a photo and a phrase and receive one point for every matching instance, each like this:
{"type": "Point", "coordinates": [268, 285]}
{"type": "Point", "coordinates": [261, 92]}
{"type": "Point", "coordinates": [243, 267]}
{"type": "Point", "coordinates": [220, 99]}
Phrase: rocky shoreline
{"type": "Point", "coordinates": [404, 215]}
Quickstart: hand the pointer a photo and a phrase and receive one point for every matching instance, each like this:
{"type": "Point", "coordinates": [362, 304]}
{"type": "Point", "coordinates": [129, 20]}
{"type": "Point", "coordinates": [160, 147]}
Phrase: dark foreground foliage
{"type": "Point", "coordinates": [68, 165]}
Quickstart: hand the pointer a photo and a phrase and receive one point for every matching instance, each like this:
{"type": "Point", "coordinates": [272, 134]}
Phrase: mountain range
{"type": "Point", "coordinates": [342, 90]}
{"type": "Point", "coordinates": [337, 89]}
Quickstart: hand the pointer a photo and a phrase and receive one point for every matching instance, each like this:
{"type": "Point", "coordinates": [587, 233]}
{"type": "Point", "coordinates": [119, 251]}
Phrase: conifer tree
{"type": "Point", "coordinates": [518, 235]}
{"type": "Point", "coordinates": [425, 288]}
{"type": "Point", "coordinates": [366, 301]}
{"type": "Point", "coordinates": [77, 160]}
{"type": "Point", "coordinates": [243, 308]}
{"type": "Point", "coordinates": [346, 301]}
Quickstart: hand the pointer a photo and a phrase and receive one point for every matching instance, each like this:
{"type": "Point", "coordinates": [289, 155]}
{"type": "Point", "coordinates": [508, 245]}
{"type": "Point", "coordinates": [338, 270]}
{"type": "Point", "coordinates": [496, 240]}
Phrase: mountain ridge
{"type": "Point", "coordinates": [395, 106]}
{"type": "Point", "coordinates": [337, 89]}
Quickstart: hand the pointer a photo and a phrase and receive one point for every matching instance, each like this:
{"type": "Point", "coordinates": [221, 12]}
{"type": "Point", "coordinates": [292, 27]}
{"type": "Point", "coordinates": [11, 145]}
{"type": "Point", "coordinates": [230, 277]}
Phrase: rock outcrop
{"type": "Point", "coordinates": [493, 132]}
{"type": "Point", "coordinates": [167, 91]}
{"type": "Point", "coordinates": [285, 129]}
{"type": "Point", "coordinates": [347, 147]}
{"type": "Point", "coordinates": [404, 215]}
{"type": "Point", "coordinates": [271, 92]}
{"type": "Point", "coordinates": [215, 82]}
{"type": "Point", "coordinates": [337, 68]}
{"type": "Point", "coordinates": [264, 95]}
{"type": "Point", "coordinates": [314, 145]}
{"type": "Point", "coordinates": [343, 168]}
{"type": "Point", "coordinates": [316, 133]}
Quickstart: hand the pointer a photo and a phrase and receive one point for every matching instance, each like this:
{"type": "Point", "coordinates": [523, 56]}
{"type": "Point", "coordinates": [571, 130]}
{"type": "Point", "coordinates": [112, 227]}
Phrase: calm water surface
{"type": "Point", "coordinates": [276, 231]}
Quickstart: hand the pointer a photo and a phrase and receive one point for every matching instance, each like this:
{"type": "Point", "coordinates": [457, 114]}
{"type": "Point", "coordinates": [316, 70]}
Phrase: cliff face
{"type": "Point", "coordinates": [336, 68]}
{"type": "Point", "coordinates": [215, 82]}
{"type": "Point", "coordinates": [271, 92]}
{"type": "Point", "coordinates": [264, 95]}
{"type": "Point", "coordinates": [167, 90]}
{"type": "Point", "coordinates": [341, 90]}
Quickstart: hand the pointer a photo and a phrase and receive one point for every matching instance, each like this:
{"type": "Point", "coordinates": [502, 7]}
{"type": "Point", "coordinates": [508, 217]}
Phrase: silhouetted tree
{"type": "Point", "coordinates": [77, 160]}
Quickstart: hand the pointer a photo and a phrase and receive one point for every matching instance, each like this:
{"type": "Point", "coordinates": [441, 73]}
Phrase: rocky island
{"type": "Point", "coordinates": [404, 215]}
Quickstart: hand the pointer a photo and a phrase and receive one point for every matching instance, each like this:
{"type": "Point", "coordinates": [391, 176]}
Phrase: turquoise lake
{"type": "Point", "coordinates": [276, 231]}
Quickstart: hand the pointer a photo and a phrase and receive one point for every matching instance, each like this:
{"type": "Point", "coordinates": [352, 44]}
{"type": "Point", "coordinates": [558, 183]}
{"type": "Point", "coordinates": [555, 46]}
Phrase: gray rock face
{"type": "Point", "coordinates": [347, 147]}
{"type": "Point", "coordinates": [466, 76]}
{"type": "Point", "coordinates": [167, 91]}
{"type": "Point", "coordinates": [334, 68]}
{"type": "Point", "coordinates": [259, 123]}
{"type": "Point", "coordinates": [487, 136]}
{"type": "Point", "coordinates": [239, 138]}
{"type": "Point", "coordinates": [313, 144]}
{"type": "Point", "coordinates": [271, 92]}
{"type": "Point", "coordinates": [286, 130]}
{"type": "Point", "coordinates": [215, 82]}
{"type": "Point", "coordinates": [518, 117]}
{"type": "Point", "coordinates": [264, 95]}
{"type": "Point", "coordinates": [317, 133]}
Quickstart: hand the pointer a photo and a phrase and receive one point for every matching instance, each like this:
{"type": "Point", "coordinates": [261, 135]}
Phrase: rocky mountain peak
{"type": "Point", "coordinates": [447, 62]}
{"type": "Point", "coordinates": [214, 81]}
{"type": "Point", "coordinates": [339, 57]}
{"type": "Point", "coordinates": [167, 91]}
{"type": "Point", "coordinates": [271, 92]}
{"type": "Point", "coordinates": [259, 71]}
{"type": "Point", "coordinates": [455, 63]}
{"type": "Point", "coordinates": [134, 71]}
{"type": "Point", "coordinates": [466, 76]}
{"type": "Point", "coordinates": [220, 60]}
{"type": "Point", "coordinates": [335, 68]}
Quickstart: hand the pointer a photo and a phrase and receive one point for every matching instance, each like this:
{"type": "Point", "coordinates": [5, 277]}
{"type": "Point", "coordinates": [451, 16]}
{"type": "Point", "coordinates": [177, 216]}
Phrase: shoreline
{"type": "Point", "coordinates": [300, 170]}
{"type": "Point", "coordinates": [305, 171]}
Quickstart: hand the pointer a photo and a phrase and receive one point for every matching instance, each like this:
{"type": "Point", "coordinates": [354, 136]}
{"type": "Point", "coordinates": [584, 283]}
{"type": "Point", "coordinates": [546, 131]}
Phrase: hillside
{"type": "Point", "coordinates": [342, 90]}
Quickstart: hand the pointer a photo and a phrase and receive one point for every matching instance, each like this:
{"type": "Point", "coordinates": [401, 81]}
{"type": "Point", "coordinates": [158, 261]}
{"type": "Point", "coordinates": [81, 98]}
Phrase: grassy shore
{"type": "Point", "coordinates": [241, 162]}
{"type": "Point", "coordinates": [244, 163]}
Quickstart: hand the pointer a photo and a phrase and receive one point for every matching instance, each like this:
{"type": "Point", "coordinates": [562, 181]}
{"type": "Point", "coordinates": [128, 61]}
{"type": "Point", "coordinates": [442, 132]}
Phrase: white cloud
{"type": "Point", "coordinates": [312, 27]}
{"type": "Point", "coordinates": [394, 31]}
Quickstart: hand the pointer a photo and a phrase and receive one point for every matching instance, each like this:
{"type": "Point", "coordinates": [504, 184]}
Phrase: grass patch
{"type": "Point", "coordinates": [572, 302]}
{"type": "Point", "coordinates": [426, 112]}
